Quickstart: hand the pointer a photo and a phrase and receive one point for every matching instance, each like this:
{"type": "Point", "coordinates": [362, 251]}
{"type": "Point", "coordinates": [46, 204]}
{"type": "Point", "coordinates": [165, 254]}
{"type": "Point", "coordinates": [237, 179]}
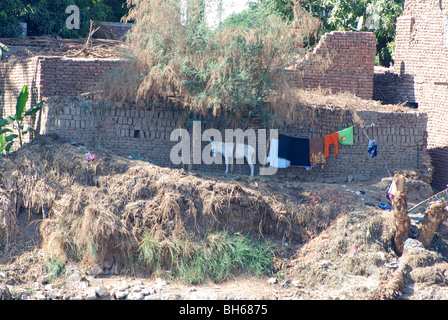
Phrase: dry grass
{"type": "Point", "coordinates": [98, 210]}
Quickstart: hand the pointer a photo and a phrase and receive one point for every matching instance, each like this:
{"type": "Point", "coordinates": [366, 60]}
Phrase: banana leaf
{"type": "Point", "coordinates": [21, 103]}
{"type": "Point", "coordinates": [7, 121]}
{"type": "Point", "coordinates": [34, 109]}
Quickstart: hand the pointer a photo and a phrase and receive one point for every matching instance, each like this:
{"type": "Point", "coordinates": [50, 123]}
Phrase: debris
{"type": "Point", "coordinates": [384, 206]}
{"type": "Point", "coordinates": [89, 156]}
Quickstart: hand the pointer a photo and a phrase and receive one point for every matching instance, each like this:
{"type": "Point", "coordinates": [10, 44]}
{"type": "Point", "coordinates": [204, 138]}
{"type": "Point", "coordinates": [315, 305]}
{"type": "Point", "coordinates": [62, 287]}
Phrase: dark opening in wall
{"type": "Point", "coordinates": [412, 105]}
{"type": "Point", "coordinates": [136, 133]}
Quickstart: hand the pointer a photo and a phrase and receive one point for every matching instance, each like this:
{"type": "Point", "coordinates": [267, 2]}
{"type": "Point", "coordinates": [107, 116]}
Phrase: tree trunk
{"type": "Point", "coordinates": [401, 221]}
{"type": "Point", "coordinates": [434, 215]}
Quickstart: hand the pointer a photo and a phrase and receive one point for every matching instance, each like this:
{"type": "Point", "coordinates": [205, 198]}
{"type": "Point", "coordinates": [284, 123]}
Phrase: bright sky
{"type": "Point", "coordinates": [229, 7]}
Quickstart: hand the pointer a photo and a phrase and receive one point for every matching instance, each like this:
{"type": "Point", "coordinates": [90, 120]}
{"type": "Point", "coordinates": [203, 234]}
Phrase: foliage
{"type": "Point", "coordinates": [18, 129]}
{"type": "Point", "coordinates": [54, 267]}
{"type": "Point", "coordinates": [10, 13]}
{"type": "Point", "coordinates": [49, 17]}
{"type": "Point", "coordinates": [233, 69]}
{"type": "Point", "coordinates": [218, 256]}
{"type": "Point", "coordinates": [378, 15]}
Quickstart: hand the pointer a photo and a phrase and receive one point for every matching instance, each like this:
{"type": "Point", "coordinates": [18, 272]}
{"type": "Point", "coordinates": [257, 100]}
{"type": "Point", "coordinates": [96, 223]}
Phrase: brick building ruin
{"type": "Point", "coordinates": [420, 73]}
{"type": "Point", "coordinates": [402, 135]}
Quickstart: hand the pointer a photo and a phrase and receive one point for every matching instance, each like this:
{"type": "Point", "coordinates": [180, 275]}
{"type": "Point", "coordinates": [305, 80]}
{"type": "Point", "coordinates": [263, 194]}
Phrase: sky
{"type": "Point", "coordinates": [229, 7]}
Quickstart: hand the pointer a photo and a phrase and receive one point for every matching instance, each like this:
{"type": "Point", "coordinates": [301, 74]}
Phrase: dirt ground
{"type": "Point", "coordinates": [332, 241]}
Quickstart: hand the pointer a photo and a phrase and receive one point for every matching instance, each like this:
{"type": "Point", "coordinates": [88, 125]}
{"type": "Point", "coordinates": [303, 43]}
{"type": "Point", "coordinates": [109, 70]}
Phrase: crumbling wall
{"type": "Point", "coordinates": [342, 61]}
{"type": "Point", "coordinates": [127, 129]}
{"type": "Point", "coordinates": [421, 62]}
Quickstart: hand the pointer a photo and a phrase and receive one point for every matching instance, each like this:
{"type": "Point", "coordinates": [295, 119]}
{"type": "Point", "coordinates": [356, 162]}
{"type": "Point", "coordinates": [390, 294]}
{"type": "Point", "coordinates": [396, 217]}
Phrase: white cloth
{"type": "Point", "coordinates": [273, 158]}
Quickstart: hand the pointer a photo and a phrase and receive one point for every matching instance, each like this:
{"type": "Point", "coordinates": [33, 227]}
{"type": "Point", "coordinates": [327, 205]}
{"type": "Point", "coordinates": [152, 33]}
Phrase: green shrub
{"type": "Point", "coordinates": [217, 257]}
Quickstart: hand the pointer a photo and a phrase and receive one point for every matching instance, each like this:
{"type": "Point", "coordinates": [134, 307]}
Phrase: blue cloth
{"type": "Point", "coordinates": [384, 206]}
{"type": "Point", "coordinates": [296, 150]}
{"type": "Point", "coordinates": [372, 149]}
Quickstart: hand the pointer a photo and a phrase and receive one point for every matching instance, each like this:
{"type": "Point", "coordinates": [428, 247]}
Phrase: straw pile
{"type": "Point", "coordinates": [104, 205]}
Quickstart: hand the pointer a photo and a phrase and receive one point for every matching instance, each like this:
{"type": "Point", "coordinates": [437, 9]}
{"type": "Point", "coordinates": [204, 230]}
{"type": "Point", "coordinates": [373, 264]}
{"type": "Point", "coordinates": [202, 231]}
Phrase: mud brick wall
{"type": "Point", "coordinates": [67, 76]}
{"type": "Point", "coordinates": [47, 77]}
{"type": "Point", "coordinates": [126, 129]}
{"type": "Point", "coordinates": [421, 62]}
{"type": "Point", "coordinates": [342, 61]}
{"type": "Point", "coordinates": [385, 86]}
{"type": "Point", "coordinates": [13, 76]}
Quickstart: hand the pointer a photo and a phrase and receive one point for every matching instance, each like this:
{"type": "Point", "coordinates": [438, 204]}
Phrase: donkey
{"type": "Point", "coordinates": [228, 150]}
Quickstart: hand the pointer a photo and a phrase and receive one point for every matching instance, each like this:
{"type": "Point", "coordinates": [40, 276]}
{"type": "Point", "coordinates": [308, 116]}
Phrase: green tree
{"type": "Point", "coordinates": [10, 13]}
{"type": "Point", "coordinates": [378, 16]}
{"type": "Point", "coordinates": [49, 17]}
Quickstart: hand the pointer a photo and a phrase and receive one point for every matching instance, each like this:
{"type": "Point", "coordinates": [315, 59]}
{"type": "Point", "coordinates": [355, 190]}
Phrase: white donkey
{"type": "Point", "coordinates": [228, 150]}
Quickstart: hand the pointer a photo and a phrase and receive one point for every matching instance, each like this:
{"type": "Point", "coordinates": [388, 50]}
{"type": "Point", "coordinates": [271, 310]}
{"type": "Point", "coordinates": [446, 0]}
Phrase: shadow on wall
{"type": "Point", "coordinates": [439, 157]}
{"type": "Point", "coordinates": [392, 87]}
{"type": "Point", "coordinates": [13, 76]}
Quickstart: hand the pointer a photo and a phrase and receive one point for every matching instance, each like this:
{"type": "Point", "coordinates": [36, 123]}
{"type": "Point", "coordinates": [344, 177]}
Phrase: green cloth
{"type": "Point", "coordinates": [346, 136]}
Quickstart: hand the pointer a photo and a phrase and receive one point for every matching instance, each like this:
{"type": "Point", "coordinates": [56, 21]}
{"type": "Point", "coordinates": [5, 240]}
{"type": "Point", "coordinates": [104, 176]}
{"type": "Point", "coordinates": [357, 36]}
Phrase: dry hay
{"type": "Point", "coordinates": [8, 222]}
{"type": "Point", "coordinates": [98, 210]}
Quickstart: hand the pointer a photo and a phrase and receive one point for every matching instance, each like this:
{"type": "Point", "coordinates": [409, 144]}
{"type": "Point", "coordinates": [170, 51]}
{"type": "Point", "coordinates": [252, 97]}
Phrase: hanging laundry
{"type": "Point", "coordinates": [372, 149]}
{"type": "Point", "coordinates": [273, 158]}
{"type": "Point", "coordinates": [329, 140]}
{"type": "Point", "coordinates": [300, 152]}
{"type": "Point", "coordinates": [317, 150]}
{"type": "Point", "coordinates": [346, 136]}
{"type": "Point", "coordinates": [296, 150]}
{"type": "Point", "coordinates": [284, 146]}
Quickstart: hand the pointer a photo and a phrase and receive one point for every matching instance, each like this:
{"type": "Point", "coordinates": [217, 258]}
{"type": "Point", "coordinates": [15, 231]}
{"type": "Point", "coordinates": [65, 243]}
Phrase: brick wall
{"type": "Point", "coordinates": [348, 57]}
{"type": "Point", "coordinates": [342, 61]}
{"type": "Point", "coordinates": [401, 137]}
{"type": "Point", "coordinates": [47, 77]}
{"type": "Point", "coordinates": [68, 76]}
{"type": "Point", "coordinates": [13, 76]}
{"type": "Point", "coordinates": [421, 62]}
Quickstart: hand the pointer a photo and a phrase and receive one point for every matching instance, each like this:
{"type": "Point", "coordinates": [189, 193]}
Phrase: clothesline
{"type": "Point", "coordinates": [289, 151]}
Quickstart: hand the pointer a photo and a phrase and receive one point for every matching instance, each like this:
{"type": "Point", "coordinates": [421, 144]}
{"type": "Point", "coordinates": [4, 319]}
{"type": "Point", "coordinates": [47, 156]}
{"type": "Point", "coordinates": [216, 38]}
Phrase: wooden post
{"type": "Point", "coordinates": [401, 221]}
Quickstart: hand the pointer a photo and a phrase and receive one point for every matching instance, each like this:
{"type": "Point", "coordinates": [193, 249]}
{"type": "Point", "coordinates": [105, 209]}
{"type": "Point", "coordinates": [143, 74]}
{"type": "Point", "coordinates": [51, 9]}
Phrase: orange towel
{"type": "Point", "coordinates": [331, 139]}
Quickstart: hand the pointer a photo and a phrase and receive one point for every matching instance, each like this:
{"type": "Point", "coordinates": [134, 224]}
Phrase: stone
{"type": "Point", "coordinates": [135, 296]}
{"type": "Point", "coordinates": [95, 271]}
{"type": "Point", "coordinates": [54, 294]}
{"type": "Point", "coordinates": [102, 291]}
{"type": "Point", "coordinates": [148, 291]}
{"type": "Point", "coordinates": [121, 294]}
{"type": "Point", "coordinates": [90, 294]}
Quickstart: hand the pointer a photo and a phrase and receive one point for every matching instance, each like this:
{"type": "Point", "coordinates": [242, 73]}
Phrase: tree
{"type": "Point", "coordinates": [49, 16]}
{"type": "Point", "coordinates": [10, 13]}
{"type": "Point", "coordinates": [234, 69]}
{"type": "Point", "coordinates": [378, 16]}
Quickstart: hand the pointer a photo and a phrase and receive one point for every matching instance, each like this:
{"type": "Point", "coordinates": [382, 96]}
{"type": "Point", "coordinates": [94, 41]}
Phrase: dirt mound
{"type": "Point", "coordinates": [329, 243]}
{"type": "Point", "coordinates": [104, 205]}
